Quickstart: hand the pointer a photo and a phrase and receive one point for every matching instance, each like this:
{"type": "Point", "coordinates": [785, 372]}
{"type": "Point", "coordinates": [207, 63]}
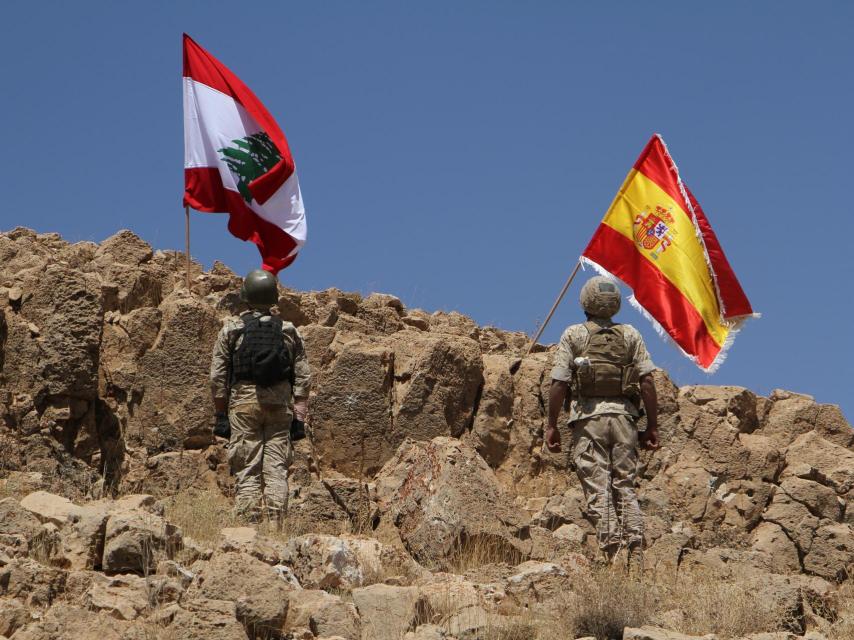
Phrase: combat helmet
{"type": "Point", "coordinates": [259, 289]}
{"type": "Point", "coordinates": [600, 297]}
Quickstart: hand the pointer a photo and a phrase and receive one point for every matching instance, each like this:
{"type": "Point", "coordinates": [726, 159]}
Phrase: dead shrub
{"type": "Point", "coordinates": [707, 604]}
{"type": "Point", "coordinates": [201, 514]}
{"type": "Point", "coordinates": [605, 601]}
{"type": "Point", "coordinates": [471, 552]}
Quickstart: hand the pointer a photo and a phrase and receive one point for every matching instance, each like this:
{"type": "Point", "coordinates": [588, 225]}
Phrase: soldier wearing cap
{"type": "Point", "coordinates": [607, 370]}
{"type": "Point", "coordinates": [260, 382]}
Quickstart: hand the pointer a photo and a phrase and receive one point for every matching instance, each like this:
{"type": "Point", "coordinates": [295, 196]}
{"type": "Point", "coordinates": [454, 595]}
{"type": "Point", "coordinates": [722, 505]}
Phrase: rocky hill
{"type": "Point", "coordinates": [422, 506]}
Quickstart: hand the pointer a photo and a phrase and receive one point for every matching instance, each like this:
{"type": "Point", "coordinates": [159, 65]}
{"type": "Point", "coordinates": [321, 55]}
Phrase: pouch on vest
{"type": "Point", "coordinates": [610, 373]}
{"type": "Point", "coordinates": [262, 357]}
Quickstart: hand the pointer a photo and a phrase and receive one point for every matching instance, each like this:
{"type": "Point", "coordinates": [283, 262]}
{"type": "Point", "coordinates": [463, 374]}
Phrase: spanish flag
{"type": "Point", "coordinates": [656, 239]}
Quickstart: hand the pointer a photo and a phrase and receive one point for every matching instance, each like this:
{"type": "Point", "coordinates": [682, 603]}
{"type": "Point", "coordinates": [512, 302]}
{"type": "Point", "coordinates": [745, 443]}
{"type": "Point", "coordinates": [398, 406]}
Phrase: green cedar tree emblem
{"type": "Point", "coordinates": [250, 158]}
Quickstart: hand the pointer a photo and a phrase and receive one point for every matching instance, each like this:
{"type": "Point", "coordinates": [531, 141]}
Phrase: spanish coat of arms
{"type": "Point", "coordinates": [654, 230]}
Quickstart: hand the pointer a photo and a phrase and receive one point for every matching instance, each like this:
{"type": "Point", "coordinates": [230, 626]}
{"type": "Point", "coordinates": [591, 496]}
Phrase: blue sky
{"type": "Point", "coordinates": [460, 155]}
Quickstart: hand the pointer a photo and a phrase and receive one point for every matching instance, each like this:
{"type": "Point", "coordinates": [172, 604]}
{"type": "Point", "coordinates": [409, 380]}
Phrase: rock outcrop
{"type": "Point", "coordinates": [422, 504]}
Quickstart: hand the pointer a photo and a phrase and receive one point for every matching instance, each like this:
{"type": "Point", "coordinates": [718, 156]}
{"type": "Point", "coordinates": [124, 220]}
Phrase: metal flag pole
{"type": "Point", "coordinates": [187, 238]}
{"type": "Point", "coordinates": [517, 363]}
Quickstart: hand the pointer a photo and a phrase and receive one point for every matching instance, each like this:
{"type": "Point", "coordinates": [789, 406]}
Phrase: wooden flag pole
{"type": "Point", "coordinates": [515, 366]}
{"type": "Point", "coordinates": [187, 238]}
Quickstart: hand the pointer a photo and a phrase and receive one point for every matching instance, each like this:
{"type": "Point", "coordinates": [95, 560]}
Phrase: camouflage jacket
{"type": "Point", "coordinates": [572, 344]}
{"type": "Point", "coordinates": [280, 394]}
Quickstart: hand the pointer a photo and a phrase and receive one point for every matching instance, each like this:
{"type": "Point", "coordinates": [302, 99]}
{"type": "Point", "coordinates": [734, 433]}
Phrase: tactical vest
{"type": "Point", "coordinates": [262, 357]}
{"type": "Point", "coordinates": [610, 372]}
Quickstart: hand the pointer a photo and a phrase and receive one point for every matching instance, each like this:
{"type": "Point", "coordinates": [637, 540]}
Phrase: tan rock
{"type": "Point", "coordinates": [13, 616]}
{"type": "Point", "coordinates": [323, 561]}
{"type": "Point", "coordinates": [444, 499]}
{"type": "Point", "coordinates": [122, 597]}
{"type": "Point", "coordinates": [832, 461]}
{"type": "Point", "coordinates": [831, 554]}
{"type": "Point", "coordinates": [351, 414]}
{"type": "Point", "coordinates": [34, 583]}
{"type": "Point", "coordinates": [386, 611]}
{"type": "Point", "coordinates": [135, 541]}
{"type": "Point", "coordinates": [656, 633]}
{"type": "Point", "coordinates": [65, 621]}
{"type": "Point", "coordinates": [779, 554]}
{"type": "Point", "coordinates": [259, 593]}
{"type": "Point", "coordinates": [325, 614]}
{"type": "Point", "coordinates": [248, 540]}
{"type": "Point", "coordinates": [492, 425]}
{"type": "Point", "coordinates": [821, 500]}
{"type": "Point", "coordinates": [48, 507]}
{"type": "Point", "coordinates": [427, 632]}
{"type": "Point", "coordinates": [535, 582]}
{"type": "Point", "coordinates": [208, 619]}
{"type": "Point", "coordinates": [18, 526]}
{"type": "Point", "coordinates": [794, 518]}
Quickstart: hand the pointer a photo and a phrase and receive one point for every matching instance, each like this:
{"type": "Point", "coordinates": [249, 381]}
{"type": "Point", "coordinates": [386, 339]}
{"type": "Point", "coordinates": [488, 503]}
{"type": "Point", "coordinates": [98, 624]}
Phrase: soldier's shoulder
{"type": "Point", "coordinates": [573, 333]}
{"type": "Point", "coordinates": [290, 329]}
{"type": "Point", "coordinates": [575, 329]}
{"type": "Point", "coordinates": [631, 332]}
{"type": "Point", "coordinates": [231, 323]}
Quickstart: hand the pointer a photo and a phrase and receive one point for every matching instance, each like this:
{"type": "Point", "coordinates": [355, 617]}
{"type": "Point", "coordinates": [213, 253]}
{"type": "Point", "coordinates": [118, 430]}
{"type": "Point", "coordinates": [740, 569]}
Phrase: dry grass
{"type": "Point", "coordinates": [605, 601]}
{"type": "Point", "coordinates": [472, 552]}
{"type": "Point", "coordinates": [201, 514]}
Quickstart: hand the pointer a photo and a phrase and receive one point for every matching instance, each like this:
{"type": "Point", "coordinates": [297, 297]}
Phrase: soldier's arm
{"type": "Point", "coordinates": [645, 367]}
{"type": "Point", "coordinates": [561, 375]}
{"type": "Point", "coordinates": [219, 371]}
{"type": "Point", "coordinates": [557, 395]}
{"type": "Point", "coordinates": [302, 372]}
{"type": "Point", "coordinates": [650, 403]}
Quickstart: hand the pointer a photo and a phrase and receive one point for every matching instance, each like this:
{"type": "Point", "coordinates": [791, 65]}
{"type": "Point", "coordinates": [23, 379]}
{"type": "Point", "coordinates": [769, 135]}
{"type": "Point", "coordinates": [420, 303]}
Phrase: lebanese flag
{"type": "Point", "coordinates": [237, 160]}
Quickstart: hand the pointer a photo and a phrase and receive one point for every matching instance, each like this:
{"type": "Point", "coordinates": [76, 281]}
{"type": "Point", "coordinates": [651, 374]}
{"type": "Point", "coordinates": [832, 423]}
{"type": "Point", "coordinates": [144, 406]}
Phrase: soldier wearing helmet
{"type": "Point", "coordinates": [606, 369]}
{"type": "Point", "coordinates": [260, 382]}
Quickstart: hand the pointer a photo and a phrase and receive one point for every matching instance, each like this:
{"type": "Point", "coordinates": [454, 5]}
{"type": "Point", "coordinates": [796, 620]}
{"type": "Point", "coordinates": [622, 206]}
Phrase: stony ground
{"type": "Point", "coordinates": [421, 506]}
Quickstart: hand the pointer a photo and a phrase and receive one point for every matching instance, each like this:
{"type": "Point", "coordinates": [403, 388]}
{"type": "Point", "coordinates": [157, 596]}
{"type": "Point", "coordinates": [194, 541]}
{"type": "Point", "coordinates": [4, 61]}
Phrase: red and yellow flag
{"type": "Point", "coordinates": [656, 239]}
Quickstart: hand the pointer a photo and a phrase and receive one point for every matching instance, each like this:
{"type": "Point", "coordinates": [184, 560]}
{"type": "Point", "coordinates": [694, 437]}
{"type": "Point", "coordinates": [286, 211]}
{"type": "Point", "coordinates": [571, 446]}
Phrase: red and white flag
{"type": "Point", "coordinates": [237, 160]}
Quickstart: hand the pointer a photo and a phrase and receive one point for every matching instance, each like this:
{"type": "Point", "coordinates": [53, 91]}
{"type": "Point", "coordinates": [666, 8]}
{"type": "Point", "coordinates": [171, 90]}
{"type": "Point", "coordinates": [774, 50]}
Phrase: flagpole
{"type": "Point", "coordinates": [187, 239]}
{"type": "Point", "coordinates": [515, 366]}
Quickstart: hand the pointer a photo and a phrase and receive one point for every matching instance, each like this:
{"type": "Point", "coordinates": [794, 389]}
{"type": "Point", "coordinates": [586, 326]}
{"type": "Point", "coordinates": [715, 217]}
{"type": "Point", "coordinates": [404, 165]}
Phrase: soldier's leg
{"type": "Point", "coordinates": [245, 455]}
{"type": "Point", "coordinates": [277, 459]}
{"type": "Point", "coordinates": [591, 458]}
{"type": "Point", "coordinates": [624, 462]}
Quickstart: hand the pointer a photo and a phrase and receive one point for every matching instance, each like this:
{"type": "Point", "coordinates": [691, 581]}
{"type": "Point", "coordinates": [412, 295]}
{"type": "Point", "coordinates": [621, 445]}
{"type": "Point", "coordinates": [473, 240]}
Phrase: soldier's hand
{"type": "Point", "coordinates": [649, 439]}
{"type": "Point", "coordinates": [301, 409]}
{"type": "Point", "coordinates": [552, 439]}
{"type": "Point", "coordinates": [222, 427]}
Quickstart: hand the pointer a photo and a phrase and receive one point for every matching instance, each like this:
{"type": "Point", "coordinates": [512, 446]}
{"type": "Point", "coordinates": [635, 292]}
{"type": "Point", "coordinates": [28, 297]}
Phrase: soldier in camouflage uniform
{"type": "Point", "coordinates": [604, 433]}
{"type": "Point", "coordinates": [258, 414]}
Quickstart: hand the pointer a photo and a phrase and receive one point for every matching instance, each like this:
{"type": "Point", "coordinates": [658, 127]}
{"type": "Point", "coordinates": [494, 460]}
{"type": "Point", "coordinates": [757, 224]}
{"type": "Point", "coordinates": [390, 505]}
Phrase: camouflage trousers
{"type": "Point", "coordinates": [605, 454]}
{"type": "Point", "coordinates": [259, 454]}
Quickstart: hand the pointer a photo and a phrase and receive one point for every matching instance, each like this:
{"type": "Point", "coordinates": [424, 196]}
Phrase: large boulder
{"type": "Point", "coordinates": [345, 562]}
{"type": "Point", "coordinates": [259, 592]}
{"type": "Point", "coordinates": [324, 614]}
{"type": "Point", "coordinates": [176, 408]}
{"type": "Point", "coordinates": [351, 414]}
{"type": "Point", "coordinates": [67, 621]}
{"type": "Point", "coordinates": [208, 619]}
{"type": "Point", "coordinates": [445, 501]}
{"type": "Point", "coordinates": [493, 422]}
{"type": "Point", "coordinates": [134, 541]}
{"type": "Point", "coordinates": [18, 525]}
{"type": "Point", "coordinates": [122, 597]}
{"type": "Point", "coordinates": [386, 611]}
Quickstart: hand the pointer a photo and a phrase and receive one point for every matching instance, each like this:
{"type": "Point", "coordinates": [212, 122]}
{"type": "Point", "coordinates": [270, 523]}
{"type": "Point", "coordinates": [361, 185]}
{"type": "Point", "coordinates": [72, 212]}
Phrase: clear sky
{"type": "Point", "coordinates": [461, 154]}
